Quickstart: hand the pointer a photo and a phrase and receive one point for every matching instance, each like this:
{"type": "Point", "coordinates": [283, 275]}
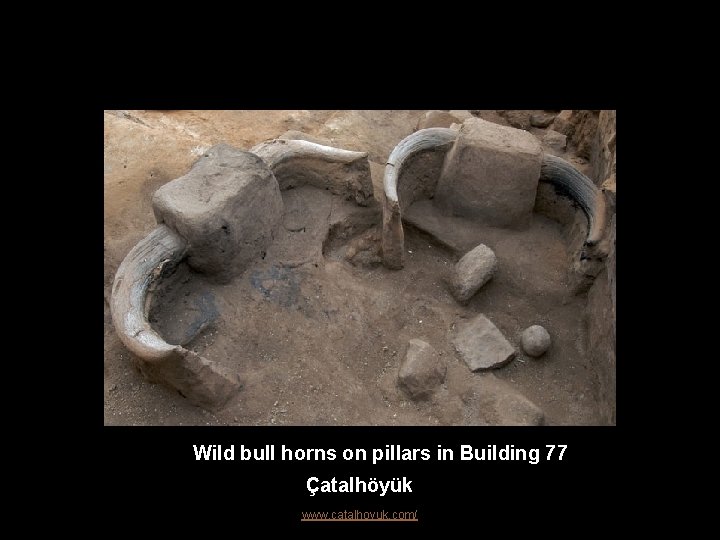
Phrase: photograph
{"type": "Point", "coordinates": [359, 268]}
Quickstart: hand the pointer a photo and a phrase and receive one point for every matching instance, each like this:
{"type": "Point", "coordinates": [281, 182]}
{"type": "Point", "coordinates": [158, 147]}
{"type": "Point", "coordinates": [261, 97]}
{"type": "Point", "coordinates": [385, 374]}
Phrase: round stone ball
{"type": "Point", "coordinates": [535, 340]}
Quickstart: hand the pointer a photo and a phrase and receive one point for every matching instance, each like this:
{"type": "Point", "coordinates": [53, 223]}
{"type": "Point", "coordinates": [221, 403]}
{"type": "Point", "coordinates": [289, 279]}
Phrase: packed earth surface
{"type": "Point", "coordinates": [317, 329]}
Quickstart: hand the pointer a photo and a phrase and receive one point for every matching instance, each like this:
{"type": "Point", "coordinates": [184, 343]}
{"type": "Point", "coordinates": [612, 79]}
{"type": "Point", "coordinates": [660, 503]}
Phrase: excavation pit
{"type": "Point", "coordinates": [316, 326]}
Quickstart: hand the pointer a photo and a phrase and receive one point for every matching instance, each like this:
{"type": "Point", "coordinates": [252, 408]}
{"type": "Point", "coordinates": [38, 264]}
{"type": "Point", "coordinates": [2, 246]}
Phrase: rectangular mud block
{"type": "Point", "coordinates": [227, 208]}
{"type": "Point", "coordinates": [491, 175]}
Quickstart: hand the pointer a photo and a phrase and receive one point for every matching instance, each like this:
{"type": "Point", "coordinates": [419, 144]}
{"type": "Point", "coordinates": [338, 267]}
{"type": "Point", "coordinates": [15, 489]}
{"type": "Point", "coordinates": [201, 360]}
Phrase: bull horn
{"type": "Point", "coordinates": [393, 239]}
{"type": "Point", "coordinates": [160, 250]}
{"type": "Point", "coordinates": [581, 189]}
{"type": "Point", "coordinates": [296, 161]}
{"type": "Point", "coordinates": [195, 377]}
{"type": "Point", "coordinates": [279, 151]}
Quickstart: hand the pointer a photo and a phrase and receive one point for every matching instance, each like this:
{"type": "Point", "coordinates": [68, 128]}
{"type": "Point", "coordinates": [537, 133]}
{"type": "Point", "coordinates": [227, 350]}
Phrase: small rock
{"type": "Point", "coordinates": [535, 340]}
{"type": "Point", "coordinates": [517, 119]}
{"type": "Point", "coordinates": [422, 371]}
{"type": "Point", "coordinates": [481, 345]}
{"type": "Point", "coordinates": [432, 119]}
{"type": "Point", "coordinates": [554, 140]}
{"type": "Point", "coordinates": [472, 272]}
{"type": "Point", "coordinates": [442, 119]}
{"type": "Point", "coordinates": [609, 184]}
{"type": "Point", "coordinates": [541, 120]}
{"type": "Point", "coordinates": [462, 115]}
{"type": "Point", "coordinates": [365, 250]}
{"type": "Point", "coordinates": [563, 122]}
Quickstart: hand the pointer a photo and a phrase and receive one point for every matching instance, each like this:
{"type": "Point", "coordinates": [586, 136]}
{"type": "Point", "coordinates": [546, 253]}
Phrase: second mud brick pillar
{"type": "Point", "coordinates": [491, 175]}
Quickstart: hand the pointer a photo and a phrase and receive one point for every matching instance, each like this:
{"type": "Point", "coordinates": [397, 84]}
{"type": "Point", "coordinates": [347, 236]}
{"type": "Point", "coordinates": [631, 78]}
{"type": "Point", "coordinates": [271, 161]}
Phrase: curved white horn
{"type": "Point", "coordinates": [278, 151]}
{"type": "Point", "coordinates": [581, 189]}
{"type": "Point", "coordinates": [159, 250]}
{"type": "Point", "coordinates": [195, 377]}
{"type": "Point", "coordinates": [424, 139]}
{"type": "Point", "coordinates": [393, 237]}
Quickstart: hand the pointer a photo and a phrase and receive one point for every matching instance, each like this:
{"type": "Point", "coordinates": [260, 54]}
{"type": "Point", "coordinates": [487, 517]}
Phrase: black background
{"type": "Point", "coordinates": [161, 463]}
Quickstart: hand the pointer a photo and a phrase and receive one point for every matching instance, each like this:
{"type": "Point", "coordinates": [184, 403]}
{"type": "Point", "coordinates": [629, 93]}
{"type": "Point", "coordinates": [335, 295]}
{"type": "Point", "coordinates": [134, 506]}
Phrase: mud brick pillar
{"type": "Point", "coordinates": [491, 175]}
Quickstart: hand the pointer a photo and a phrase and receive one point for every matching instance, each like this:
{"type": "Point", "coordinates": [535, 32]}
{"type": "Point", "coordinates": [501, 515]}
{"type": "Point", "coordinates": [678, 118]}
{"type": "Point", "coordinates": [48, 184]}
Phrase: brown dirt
{"type": "Point", "coordinates": [317, 336]}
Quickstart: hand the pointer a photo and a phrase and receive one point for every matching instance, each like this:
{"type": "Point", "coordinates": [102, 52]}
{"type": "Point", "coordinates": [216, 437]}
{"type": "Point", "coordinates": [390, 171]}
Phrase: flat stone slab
{"type": "Point", "coordinates": [491, 174]}
{"type": "Point", "coordinates": [481, 345]}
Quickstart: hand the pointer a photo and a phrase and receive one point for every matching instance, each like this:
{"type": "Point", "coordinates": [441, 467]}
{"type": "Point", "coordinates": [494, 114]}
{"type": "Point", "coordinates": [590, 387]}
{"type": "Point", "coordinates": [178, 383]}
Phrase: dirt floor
{"type": "Point", "coordinates": [318, 327]}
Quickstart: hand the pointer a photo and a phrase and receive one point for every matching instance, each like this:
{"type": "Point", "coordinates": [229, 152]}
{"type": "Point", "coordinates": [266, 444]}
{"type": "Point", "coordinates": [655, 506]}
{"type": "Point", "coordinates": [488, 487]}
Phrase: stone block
{"type": "Point", "coordinates": [491, 175]}
{"type": "Point", "coordinates": [227, 208]}
{"type": "Point", "coordinates": [422, 371]}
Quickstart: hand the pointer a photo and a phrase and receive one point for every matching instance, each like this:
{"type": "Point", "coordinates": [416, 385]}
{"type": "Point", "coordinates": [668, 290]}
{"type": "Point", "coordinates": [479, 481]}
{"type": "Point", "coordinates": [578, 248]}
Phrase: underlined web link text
{"type": "Point", "coordinates": [360, 515]}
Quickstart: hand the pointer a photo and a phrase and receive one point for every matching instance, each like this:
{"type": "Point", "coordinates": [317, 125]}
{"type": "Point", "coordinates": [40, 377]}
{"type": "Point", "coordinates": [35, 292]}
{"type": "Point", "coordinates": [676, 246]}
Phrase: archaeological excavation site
{"type": "Point", "coordinates": [374, 268]}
